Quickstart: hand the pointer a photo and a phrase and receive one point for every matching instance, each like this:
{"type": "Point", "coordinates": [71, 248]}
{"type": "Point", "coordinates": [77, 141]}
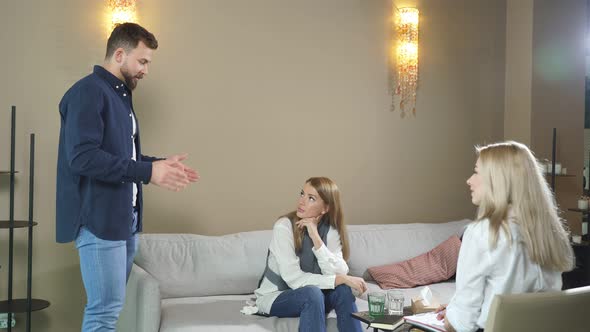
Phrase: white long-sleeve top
{"type": "Point", "coordinates": [284, 261]}
{"type": "Point", "coordinates": [483, 272]}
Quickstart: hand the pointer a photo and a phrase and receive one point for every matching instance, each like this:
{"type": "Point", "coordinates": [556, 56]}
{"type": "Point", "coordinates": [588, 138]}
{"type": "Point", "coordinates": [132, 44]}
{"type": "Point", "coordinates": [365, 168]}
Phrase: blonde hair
{"type": "Point", "coordinates": [512, 180]}
{"type": "Point", "coordinates": [330, 194]}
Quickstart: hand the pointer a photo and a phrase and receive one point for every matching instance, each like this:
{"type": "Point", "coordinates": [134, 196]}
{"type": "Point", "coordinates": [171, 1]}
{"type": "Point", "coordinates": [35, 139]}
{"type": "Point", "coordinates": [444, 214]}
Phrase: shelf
{"type": "Point", "coordinates": [17, 224]}
{"type": "Point", "coordinates": [578, 210]}
{"type": "Point", "coordinates": [20, 305]}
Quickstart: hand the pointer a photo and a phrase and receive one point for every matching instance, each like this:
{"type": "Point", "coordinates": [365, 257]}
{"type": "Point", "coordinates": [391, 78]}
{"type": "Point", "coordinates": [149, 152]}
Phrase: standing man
{"type": "Point", "coordinates": [100, 172]}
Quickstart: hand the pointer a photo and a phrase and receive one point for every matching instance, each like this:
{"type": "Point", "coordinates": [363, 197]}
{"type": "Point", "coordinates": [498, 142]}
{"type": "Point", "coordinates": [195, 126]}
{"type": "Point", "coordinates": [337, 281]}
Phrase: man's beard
{"type": "Point", "coordinates": [130, 81]}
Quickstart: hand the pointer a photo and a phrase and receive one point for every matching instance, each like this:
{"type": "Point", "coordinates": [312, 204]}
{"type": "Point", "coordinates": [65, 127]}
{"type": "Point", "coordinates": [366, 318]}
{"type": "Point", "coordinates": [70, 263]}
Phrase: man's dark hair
{"type": "Point", "coordinates": [128, 36]}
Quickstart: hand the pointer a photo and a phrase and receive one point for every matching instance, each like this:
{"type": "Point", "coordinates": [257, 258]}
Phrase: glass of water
{"type": "Point", "coordinates": [376, 304]}
{"type": "Point", "coordinates": [395, 302]}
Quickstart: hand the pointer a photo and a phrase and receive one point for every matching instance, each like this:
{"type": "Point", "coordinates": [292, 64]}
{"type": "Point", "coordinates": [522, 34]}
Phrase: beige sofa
{"type": "Point", "coordinates": [184, 282]}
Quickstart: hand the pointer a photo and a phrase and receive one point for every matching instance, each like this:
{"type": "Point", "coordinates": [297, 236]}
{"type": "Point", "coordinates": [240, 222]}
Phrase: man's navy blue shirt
{"type": "Point", "coordinates": [95, 172]}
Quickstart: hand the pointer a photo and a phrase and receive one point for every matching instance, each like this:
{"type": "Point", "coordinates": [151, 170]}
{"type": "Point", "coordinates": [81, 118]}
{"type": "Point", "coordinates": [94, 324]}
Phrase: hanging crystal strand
{"type": "Point", "coordinates": [407, 60]}
{"type": "Point", "coordinates": [393, 73]}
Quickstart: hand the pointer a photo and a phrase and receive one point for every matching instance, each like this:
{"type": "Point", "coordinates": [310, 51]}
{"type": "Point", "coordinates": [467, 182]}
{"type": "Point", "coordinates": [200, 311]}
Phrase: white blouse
{"type": "Point", "coordinates": [283, 261]}
{"type": "Point", "coordinates": [483, 272]}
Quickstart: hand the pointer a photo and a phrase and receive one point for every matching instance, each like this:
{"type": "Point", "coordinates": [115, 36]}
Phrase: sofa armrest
{"type": "Point", "coordinates": [142, 308]}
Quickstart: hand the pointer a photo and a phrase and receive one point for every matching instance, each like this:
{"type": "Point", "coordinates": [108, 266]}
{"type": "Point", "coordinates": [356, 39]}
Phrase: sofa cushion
{"type": "Point", "coordinates": [437, 265]}
{"type": "Point", "coordinates": [198, 265]}
{"type": "Point", "coordinates": [222, 313]}
{"type": "Point", "coordinates": [374, 245]}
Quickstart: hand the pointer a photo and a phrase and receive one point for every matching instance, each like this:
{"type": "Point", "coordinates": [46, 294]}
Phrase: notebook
{"type": "Point", "coordinates": [385, 322]}
{"type": "Point", "coordinates": [426, 321]}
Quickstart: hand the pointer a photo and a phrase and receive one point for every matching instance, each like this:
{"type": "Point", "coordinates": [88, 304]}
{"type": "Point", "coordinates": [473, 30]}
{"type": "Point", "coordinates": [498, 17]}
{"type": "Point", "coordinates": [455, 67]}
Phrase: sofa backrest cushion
{"type": "Point", "coordinates": [188, 265]}
{"type": "Point", "coordinates": [374, 245]}
{"type": "Point", "coordinates": [197, 265]}
{"type": "Point", "coordinates": [439, 264]}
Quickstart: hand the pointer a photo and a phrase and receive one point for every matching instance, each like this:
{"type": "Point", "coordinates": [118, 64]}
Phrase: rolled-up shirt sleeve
{"type": "Point", "coordinates": [474, 266]}
{"type": "Point", "coordinates": [330, 257]}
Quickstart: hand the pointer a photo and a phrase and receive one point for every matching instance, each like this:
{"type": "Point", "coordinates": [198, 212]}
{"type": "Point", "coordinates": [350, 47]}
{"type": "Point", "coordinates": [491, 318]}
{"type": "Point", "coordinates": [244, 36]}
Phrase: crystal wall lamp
{"type": "Point", "coordinates": [121, 11]}
{"type": "Point", "coordinates": [405, 60]}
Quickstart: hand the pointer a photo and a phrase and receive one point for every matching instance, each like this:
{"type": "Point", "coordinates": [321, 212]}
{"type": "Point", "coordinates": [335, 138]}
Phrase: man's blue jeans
{"type": "Point", "coordinates": [105, 267]}
{"type": "Point", "coordinates": [311, 304]}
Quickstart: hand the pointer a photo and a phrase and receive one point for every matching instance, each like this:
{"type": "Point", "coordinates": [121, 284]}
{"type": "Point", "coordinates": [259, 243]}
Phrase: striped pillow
{"type": "Point", "coordinates": [437, 265]}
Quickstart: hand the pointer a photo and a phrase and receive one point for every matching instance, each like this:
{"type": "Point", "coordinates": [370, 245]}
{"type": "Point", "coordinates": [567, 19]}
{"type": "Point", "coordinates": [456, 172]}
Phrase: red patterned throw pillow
{"type": "Point", "coordinates": [437, 265]}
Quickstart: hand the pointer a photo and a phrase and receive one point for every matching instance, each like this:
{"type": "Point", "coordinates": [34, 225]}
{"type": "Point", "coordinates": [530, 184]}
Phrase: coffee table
{"type": "Point", "coordinates": [364, 317]}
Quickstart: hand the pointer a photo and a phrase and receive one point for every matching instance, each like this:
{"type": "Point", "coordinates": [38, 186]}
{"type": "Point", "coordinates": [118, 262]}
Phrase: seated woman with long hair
{"type": "Point", "coordinates": [306, 270]}
{"type": "Point", "coordinates": [518, 244]}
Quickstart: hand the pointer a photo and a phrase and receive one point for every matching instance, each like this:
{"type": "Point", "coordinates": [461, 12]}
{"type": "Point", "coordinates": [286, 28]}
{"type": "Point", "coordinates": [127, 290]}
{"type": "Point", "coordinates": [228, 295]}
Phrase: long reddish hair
{"type": "Point", "coordinates": [330, 194]}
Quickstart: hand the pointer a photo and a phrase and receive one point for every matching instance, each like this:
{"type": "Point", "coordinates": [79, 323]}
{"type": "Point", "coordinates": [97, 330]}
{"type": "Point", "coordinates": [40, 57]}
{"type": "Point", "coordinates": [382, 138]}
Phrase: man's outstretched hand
{"type": "Point", "coordinates": [192, 174]}
{"type": "Point", "coordinates": [172, 174]}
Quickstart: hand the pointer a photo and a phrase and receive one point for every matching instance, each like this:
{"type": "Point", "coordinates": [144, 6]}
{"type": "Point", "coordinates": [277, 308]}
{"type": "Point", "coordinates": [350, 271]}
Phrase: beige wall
{"type": "Point", "coordinates": [519, 67]}
{"type": "Point", "coordinates": [262, 94]}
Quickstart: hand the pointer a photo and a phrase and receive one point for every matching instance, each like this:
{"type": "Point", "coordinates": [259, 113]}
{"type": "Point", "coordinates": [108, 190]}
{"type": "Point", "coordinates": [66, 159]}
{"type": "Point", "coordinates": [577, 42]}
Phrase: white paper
{"type": "Point", "coordinates": [427, 320]}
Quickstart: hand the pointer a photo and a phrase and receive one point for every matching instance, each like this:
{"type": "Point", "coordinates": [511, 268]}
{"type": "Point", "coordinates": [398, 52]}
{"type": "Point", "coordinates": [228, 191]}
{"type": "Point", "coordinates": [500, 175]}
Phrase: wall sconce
{"type": "Point", "coordinates": [405, 60]}
{"type": "Point", "coordinates": [121, 11]}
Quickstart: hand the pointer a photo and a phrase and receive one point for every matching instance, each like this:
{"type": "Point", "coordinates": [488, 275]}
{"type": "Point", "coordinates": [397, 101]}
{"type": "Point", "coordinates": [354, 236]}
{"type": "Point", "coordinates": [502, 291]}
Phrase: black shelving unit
{"type": "Point", "coordinates": [580, 275]}
{"type": "Point", "coordinates": [12, 305]}
{"type": "Point", "coordinates": [552, 175]}
{"type": "Point", "coordinates": [585, 216]}
{"type": "Point", "coordinates": [553, 148]}
{"type": "Point", "coordinates": [585, 212]}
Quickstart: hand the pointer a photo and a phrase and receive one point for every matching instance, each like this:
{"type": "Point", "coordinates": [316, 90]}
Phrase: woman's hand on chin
{"type": "Point", "coordinates": [310, 223]}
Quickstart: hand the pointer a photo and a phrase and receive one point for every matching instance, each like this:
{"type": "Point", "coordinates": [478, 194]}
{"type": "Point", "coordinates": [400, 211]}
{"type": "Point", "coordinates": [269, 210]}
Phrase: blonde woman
{"type": "Point", "coordinates": [306, 270]}
{"type": "Point", "coordinates": [518, 243]}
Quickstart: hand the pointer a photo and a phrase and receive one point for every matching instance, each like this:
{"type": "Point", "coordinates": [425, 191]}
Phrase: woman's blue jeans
{"type": "Point", "coordinates": [311, 304]}
{"type": "Point", "coordinates": [105, 267]}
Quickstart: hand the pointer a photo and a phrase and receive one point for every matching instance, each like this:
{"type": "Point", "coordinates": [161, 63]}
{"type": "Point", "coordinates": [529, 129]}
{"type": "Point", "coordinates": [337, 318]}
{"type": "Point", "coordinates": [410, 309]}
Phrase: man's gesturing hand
{"type": "Point", "coordinates": [192, 174]}
{"type": "Point", "coordinates": [169, 174]}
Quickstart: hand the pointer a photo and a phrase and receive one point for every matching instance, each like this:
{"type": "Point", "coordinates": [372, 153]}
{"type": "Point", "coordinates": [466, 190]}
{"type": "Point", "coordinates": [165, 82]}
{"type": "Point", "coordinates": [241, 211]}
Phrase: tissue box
{"type": "Point", "coordinates": [418, 307]}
